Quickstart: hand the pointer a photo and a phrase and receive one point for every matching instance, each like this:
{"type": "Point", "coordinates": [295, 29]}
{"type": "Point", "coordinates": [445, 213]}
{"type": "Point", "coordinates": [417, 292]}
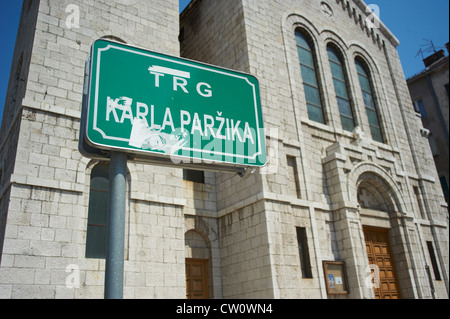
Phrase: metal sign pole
{"type": "Point", "coordinates": [114, 270]}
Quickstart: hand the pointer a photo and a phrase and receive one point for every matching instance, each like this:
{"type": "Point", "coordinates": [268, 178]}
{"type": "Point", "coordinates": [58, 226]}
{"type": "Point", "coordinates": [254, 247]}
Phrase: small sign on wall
{"type": "Point", "coordinates": [335, 277]}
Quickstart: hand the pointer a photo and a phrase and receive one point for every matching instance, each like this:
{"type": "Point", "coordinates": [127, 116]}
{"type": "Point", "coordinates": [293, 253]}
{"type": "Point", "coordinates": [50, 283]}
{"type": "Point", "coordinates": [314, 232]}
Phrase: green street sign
{"type": "Point", "coordinates": [156, 105]}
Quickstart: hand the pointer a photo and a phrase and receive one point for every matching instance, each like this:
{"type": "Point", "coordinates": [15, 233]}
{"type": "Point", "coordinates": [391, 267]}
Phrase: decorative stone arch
{"type": "Point", "coordinates": [86, 168]}
{"type": "Point", "coordinates": [107, 34]}
{"type": "Point", "coordinates": [133, 175]}
{"type": "Point", "coordinates": [202, 226]}
{"type": "Point", "coordinates": [375, 177]}
{"type": "Point", "coordinates": [356, 51]}
{"type": "Point", "coordinates": [392, 216]}
{"type": "Point", "coordinates": [330, 37]}
{"type": "Point", "coordinates": [197, 245]}
{"type": "Point", "coordinates": [113, 38]}
{"type": "Point", "coordinates": [292, 20]}
{"type": "Point", "coordinates": [84, 164]}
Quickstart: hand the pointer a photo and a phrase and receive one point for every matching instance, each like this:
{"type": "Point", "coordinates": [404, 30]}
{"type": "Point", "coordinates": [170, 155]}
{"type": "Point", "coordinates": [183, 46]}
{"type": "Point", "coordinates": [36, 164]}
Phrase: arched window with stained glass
{"type": "Point", "coordinates": [341, 88]}
{"type": "Point", "coordinates": [370, 103]}
{"type": "Point", "coordinates": [309, 70]}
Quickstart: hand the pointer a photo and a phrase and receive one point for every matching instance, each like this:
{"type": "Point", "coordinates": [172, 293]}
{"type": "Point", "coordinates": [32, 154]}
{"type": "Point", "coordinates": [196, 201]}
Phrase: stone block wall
{"type": "Point", "coordinates": [245, 225]}
{"type": "Point", "coordinates": [45, 185]}
{"type": "Point", "coordinates": [331, 163]}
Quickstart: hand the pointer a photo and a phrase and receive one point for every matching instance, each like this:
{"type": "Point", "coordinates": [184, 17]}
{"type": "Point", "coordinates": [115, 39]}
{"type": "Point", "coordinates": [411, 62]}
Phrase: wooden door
{"type": "Point", "coordinates": [379, 253]}
{"type": "Point", "coordinates": [196, 278]}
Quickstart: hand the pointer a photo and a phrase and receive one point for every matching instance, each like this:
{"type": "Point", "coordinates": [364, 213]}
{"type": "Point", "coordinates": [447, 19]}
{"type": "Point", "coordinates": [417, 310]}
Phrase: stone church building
{"type": "Point", "coordinates": [349, 205]}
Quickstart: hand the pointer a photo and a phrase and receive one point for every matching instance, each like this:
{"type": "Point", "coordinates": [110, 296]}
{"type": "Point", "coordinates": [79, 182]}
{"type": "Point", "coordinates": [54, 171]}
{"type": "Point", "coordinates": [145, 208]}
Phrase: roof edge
{"type": "Point", "coordinates": [383, 28]}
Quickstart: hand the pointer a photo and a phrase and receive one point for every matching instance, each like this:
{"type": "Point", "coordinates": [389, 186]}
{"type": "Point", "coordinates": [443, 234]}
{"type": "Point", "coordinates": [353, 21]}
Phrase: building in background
{"type": "Point", "coordinates": [349, 206]}
{"type": "Point", "coordinates": [430, 94]}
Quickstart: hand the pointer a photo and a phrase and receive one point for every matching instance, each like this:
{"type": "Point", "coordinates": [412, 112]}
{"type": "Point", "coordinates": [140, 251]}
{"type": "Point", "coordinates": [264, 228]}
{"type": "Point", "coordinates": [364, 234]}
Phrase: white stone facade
{"type": "Point", "coordinates": [331, 182]}
{"type": "Point", "coordinates": [45, 189]}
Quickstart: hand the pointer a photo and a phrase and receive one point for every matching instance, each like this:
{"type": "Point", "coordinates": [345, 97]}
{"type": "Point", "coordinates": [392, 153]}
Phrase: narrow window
{"type": "Point", "coordinates": [444, 186]}
{"type": "Point", "coordinates": [369, 101]}
{"type": "Point", "coordinates": [341, 89]}
{"type": "Point", "coordinates": [194, 176]}
{"type": "Point", "coordinates": [419, 201]}
{"type": "Point", "coordinates": [305, 261]}
{"type": "Point", "coordinates": [437, 274]}
{"type": "Point", "coordinates": [419, 107]}
{"type": "Point", "coordinates": [293, 182]}
{"type": "Point", "coordinates": [309, 69]}
{"type": "Point", "coordinates": [98, 211]}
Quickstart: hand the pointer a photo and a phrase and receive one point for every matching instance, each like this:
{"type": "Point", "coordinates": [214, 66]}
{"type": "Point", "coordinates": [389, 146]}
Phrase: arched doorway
{"type": "Point", "coordinates": [198, 266]}
{"type": "Point", "coordinates": [376, 201]}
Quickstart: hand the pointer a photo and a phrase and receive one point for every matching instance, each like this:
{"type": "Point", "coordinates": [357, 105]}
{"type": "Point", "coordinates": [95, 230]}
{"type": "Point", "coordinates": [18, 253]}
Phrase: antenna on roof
{"type": "Point", "coordinates": [427, 48]}
{"type": "Point", "coordinates": [420, 53]}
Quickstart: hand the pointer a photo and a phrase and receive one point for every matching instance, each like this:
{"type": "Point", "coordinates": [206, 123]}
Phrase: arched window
{"type": "Point", "coordinates": [341, 88]}
{"type": "Point", "coordinates": [369, 100]}
{"type": "Point", "coordinates": [98, 212]}
{"type": "Point", "coordinates": [309, 69]}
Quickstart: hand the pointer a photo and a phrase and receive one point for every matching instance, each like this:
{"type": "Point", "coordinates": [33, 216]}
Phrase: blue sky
{"type": "Point", "coordinates": [411, 21]}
